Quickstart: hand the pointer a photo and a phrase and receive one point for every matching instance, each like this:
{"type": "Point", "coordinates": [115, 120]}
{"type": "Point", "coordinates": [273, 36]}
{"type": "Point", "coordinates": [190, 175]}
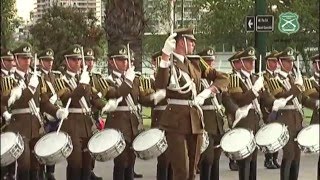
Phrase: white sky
{"type": "Point", "coordinates": [24, 7]}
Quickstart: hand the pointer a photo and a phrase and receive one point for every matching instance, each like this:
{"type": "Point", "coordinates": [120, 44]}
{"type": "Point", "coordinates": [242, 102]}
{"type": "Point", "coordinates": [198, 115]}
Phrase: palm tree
{"type": "Point", "coordinates": [125, 23]}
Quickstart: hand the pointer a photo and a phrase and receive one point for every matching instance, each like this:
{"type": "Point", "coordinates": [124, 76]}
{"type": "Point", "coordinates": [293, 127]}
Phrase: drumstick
{"type": "Point", "coordinates": [60, 124]}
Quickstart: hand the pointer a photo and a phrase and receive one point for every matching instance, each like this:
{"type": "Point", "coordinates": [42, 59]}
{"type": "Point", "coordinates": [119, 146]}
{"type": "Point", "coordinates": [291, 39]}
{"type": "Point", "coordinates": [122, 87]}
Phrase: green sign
{"type": "Point", "coordinates": [288, 23]}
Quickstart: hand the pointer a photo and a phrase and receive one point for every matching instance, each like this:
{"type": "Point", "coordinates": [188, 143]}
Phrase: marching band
{"type": "Point", "coordinates": [197, 112]}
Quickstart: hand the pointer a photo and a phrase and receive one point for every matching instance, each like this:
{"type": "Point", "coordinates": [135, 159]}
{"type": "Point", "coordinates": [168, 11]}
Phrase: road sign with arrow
{"type": "Point", "coordinates": [250, 23]}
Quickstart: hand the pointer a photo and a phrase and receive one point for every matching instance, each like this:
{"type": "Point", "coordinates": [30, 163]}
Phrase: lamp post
{"type": "Point", "coordinates": [260, 37]}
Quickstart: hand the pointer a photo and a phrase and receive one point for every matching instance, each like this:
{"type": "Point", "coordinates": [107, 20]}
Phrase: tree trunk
{"type": "Point", "coordinates": [125, 23]}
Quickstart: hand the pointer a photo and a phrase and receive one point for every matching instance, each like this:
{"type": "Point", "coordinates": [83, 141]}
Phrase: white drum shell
{"type": "Point", "coordinates": [61, 154]}
{"type": "Point", "coordinates": [11, 152]}
{"type": "Point", "coordinates": [237, 152]}
{"type": "Point", "coordinates": [272, 137]}
{"type": "Point", "coordinates": [308, 139]}
{"type": "Point", "coordinates": [108, 153]}
{"type": "Point", "coordinates": [153, 150]}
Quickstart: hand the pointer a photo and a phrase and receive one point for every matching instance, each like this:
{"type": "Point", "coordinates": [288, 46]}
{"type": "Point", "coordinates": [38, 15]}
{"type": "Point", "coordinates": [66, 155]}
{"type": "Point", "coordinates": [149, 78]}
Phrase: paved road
{"type": "Point", "coordinates": [308, 167]}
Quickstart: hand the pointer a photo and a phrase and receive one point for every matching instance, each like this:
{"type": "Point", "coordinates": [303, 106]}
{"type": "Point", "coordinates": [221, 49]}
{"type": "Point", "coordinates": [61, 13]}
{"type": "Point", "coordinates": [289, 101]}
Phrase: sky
{"type": "Point", "coordinates": [24, 7]}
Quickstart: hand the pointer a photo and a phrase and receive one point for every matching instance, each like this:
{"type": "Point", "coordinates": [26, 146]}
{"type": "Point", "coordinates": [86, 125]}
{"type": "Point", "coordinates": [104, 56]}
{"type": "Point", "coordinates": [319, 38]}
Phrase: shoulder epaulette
{"type": "Point", "coordinates": [56, 72]}
{"type": "Point", "coordinates": [234, 85]}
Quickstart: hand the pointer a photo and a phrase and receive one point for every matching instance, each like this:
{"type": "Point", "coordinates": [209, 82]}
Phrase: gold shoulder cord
{"type": "Point", "coordinates": [43, 85]}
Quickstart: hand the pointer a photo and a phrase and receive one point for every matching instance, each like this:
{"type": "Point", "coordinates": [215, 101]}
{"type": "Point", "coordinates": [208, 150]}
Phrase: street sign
{"type": "Point", "coordinates": [288, 23]}
{"type": "Point", "coordinates": [264, 23]}
{"type": "Point", "coordinates": [250, 23]}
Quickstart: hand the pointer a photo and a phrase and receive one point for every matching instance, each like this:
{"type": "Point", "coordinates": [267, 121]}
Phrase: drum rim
{"type": "Point", "coordinates": [16, 138]}
{"type": "Point", "coordinates": [302, 131]}
{"type": "Point", "coordinates": [103, 151]}
{"type": "Point", "coordinates": [237, 128]}
{"type": "Point", "coordinates": [56, 152]}
{"type": "Point", "coordinates": [144, 132]}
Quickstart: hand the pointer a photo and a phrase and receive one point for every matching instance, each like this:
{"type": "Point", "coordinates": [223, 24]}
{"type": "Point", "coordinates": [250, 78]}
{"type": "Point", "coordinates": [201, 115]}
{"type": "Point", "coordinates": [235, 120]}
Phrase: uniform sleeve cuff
{"type": "Point", "coordinates": [164, 64]}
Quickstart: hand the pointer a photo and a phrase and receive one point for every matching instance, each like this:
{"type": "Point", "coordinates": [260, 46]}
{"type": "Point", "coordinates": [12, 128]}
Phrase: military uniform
{"type": "Point", "coordinates": [182, 120]}
{"type": "Point", "coordinates": [281, 87]}
{"type": "Point", "coordinates": [271, 161]}
{"type": "Point", "coordinates": [123, 119]}
{"type": "Point", "coordinates": [79, 124]}
{"type": "Point", "coordinates": [242, 93]}
{"type": "Point", "coordinates": [32, 99]}
{"type": "Point", "coordinates": [214, 120]}
{"type": "Point", "coordinates": [164, 170]}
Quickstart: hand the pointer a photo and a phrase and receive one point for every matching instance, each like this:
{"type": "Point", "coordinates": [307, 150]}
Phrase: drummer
{"type": "Point", "coordinates": [125, 118]}
{"type": "Point", "coordinates": [75, 85]}
{"type": "Point", "coordinates": [291, 114]}
{"type": "Point", "coordinates": [245, 88]}
{"type": "Point", "coordinates": [24, 102]}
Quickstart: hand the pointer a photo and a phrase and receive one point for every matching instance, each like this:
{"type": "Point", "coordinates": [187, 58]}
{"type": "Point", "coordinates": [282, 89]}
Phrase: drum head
{"type": "Point", "coordinates": [147, 139]}
{"type": "Point", "coordinates": [50, 144]}
{"type": "Point", "coordinates": [235, 140]}
{"type": "Point", "coordinates": [269, 134]}
{"type": "Point", "coordinates": [8, 139]}
{"type": "Point", "coordinates": [103, 140]}
{"type": "Point", "coordinates": [309, 136]}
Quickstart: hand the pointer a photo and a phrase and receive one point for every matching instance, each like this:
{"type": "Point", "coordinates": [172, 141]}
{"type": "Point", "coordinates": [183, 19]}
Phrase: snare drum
{"type": "Point", "coordinates": [150, 144]}
{"type": "Point", "coordinates": [106, 145]}
{"type": "Point", "coordinates": [205, 141]}
{"type": "Point", "coordinates": [272, 137]}
{"type": "Point", "coordinates": [12, 146]}
{"type": "Point", "coordinates": [238, 143]}
{"type": "Point", "coordinates": [308, 139]}
{"type": "Point", "coordinates": [53, 148]}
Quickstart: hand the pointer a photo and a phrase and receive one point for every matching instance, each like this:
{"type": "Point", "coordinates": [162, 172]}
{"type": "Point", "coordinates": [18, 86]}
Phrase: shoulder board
{"type": "Point", "coordinates": [56, 72]}
{"type": "Point", "coordinates": [234, 81]}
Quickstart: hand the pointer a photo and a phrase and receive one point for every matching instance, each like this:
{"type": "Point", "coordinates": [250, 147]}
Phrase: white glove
{"type": "Point", "coordinates": [158, 96]}
{"type": "Point", "coordinates": [130, 74]}
{"type": "Point", "coordinates": [280, 103]}
{"type": "Point", "coordinates": [15, 94]}
{"type": "Point", "coordinates": [298, 80]}
{"type": "Point", "coordinates": [258, 85]}
{"type": "Point", "coordinates": [111, 105]}
{"type": "Point", "coordinates": [62, 113]}
{"type": "Point", "coordinates": [7, 116]}
{"type": "Point", "coordinates": [85, 78]}
{"type": "Point", "coordinates": [241, 113]}
{"type": "Point", "coordinates": [53, 99]}
{"type": "Point", "coordinates": [317, 104]}
{"type": "Point", "coordinates": [170, 44]}
{"type": "Point", "coordinates": [200, 98]}
{"type": "Point", "coordinates": [34, 81]}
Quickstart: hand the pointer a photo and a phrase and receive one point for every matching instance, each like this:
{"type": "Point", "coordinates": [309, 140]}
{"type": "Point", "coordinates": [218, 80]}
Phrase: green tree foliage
{"type": "Point", "coordinates": [8, 21]}
{"type": "Point", "coordinates": [61, 27]}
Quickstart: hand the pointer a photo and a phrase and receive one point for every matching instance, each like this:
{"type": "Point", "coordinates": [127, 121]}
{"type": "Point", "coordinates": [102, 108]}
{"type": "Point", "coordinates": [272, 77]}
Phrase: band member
{"type": "Point", "coordinates": [291, 115]}
{"type": "Point", "coordinates": [182, 119]}
{"type": "Point", "coordinates": [48, 77]}
{"type": "Point", "coordinates": [164, 170]}
{"type": "Point", "coordinates": [271, 159]}
{"type": "Point", "coordinates": [126, 117]}
{"type": "Point", "coordinates": [79, 125]}
{"type": "Point", "coordinates": [98, 84]}
{"type": "Point", "coordinates": [245, 89]}
{"type": "Point", "coordinates": [312, 90]}
{"type": "Point", "coordinates": [26, 97]}
{"type": "Point", "coordinates": [7, 70]}
{"type": "Point", "coordinates": [214, 120]}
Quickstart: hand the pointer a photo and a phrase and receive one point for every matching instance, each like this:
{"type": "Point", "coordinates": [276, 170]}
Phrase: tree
{"type": "Point", "coordinates": [8, 21]}
{"type": "Point", "coordinates": [125, 23]}
{"type": "Point", "coordinates": [61, 27]}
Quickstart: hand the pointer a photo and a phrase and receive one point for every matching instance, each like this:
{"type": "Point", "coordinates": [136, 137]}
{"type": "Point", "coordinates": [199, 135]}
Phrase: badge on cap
{"type": "Point", "coordinates": [210, 52]}
{"type": "Point", "coordinates": [26, 49]}
{"type": "Point", "coordinates": [9, 53]}
{"type": "Point", "coordinates": [49, 53]}
{"type": "Point", "coordinates": [123, 51]}
{"type": "Point", "coordinates": [90, 53]}
{"type": "Point", "coordinates": [77, 50]}
{"type": "Point", "coordinates": [251, 52]}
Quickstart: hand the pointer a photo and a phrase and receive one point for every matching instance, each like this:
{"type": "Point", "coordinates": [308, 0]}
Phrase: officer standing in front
{"type": "Point", "coordinates": [182, 119]}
